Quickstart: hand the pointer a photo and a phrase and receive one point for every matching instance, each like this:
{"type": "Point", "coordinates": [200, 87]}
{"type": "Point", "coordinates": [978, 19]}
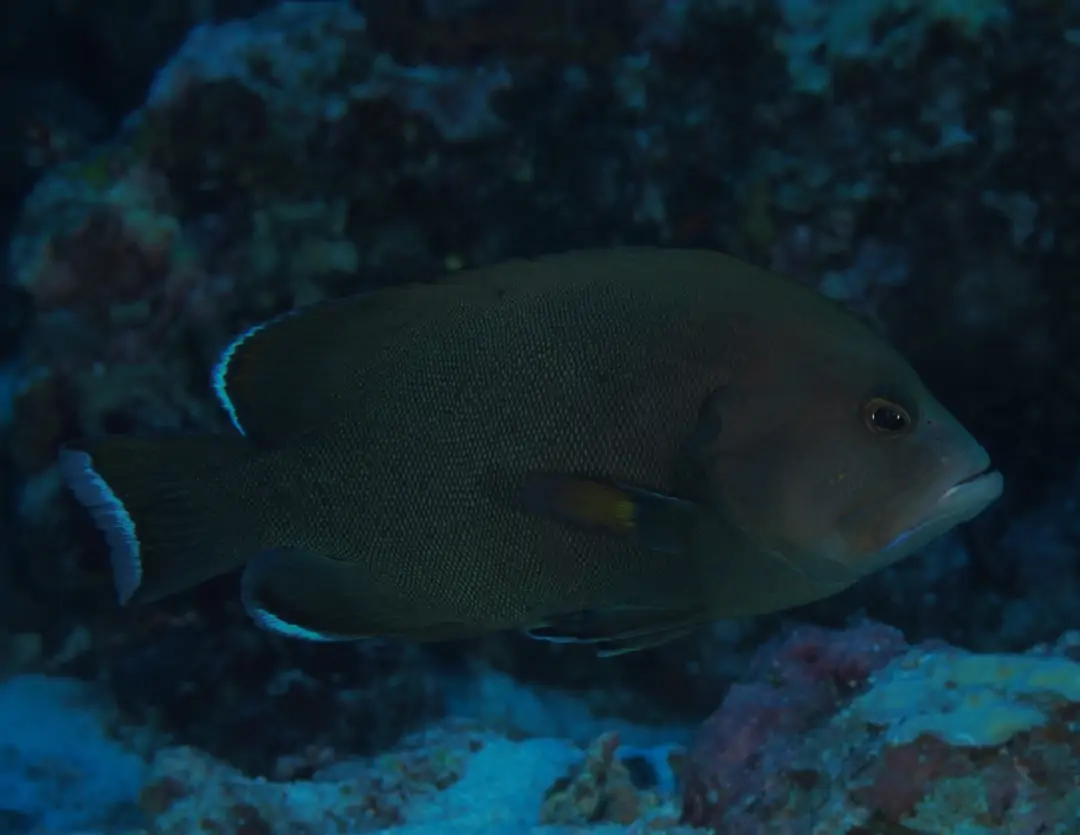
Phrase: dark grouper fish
{"type": "Point", "coordinates": [609, 447]}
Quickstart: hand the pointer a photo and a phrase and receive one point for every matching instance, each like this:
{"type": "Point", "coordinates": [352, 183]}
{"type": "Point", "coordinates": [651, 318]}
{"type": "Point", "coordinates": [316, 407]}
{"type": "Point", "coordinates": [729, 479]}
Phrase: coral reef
{"type": "Point", "coordinates": [854, 732]}
{"type": "Point", "coordinates": [453, 776]}
{"type": "Point", "coordinates": [61, 770]}
{"type": "Point", "coordinates": [451, 779]}
{"type": "Point", "coordinates": [257, 702]}
{"type": "Point", "coordinates": [832, 732]}
{"type": "Point", "coordinates": [187, 790]}
{"type": "Point", "coordinates": [600, 788]}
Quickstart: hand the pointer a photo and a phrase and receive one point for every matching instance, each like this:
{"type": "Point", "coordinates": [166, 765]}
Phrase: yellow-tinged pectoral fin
{"type": "Point", "coordinates": [609, 507]}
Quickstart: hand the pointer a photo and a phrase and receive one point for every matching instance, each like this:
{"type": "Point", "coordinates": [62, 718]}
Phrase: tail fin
{"type": "Point", "coordinates": [164, 507]}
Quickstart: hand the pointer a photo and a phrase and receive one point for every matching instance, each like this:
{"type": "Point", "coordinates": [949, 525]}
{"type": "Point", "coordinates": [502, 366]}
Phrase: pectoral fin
{"type": "Point", "coordinates": [609, 507]}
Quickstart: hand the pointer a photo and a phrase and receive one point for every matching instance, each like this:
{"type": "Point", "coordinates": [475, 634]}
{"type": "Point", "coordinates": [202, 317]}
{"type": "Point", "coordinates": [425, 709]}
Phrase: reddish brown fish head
{"type": "Point", "coordinates": [838, 460]}
{"type": "Point", "coordinates": [942, 478]}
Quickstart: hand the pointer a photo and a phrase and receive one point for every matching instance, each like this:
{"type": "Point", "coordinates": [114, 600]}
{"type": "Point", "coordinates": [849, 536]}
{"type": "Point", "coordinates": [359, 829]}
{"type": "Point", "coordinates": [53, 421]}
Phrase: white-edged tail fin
{"type": "Point", "coordinates": [111, 517]}
{"type": "Point", "coordinates": [168, 507]}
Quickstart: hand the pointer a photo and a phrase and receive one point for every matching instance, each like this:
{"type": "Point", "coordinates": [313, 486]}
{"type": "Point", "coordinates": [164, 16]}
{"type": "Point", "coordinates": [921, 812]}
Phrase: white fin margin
{"type": "Point", "coordinates": [220, 373]}
{"type": "Point", "coordinates": [265, 619]}
{"type": "Point", "coordinates": [111, 517]}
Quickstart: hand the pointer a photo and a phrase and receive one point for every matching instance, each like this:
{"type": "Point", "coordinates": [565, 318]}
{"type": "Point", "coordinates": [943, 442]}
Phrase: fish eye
{"type": "Point", "coordinates": [884, 417]}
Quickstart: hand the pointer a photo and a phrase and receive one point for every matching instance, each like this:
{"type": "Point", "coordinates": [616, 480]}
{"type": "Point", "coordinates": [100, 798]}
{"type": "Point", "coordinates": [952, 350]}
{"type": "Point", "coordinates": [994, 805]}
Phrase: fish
{"type": "Point", "coordinates": [609, 447]}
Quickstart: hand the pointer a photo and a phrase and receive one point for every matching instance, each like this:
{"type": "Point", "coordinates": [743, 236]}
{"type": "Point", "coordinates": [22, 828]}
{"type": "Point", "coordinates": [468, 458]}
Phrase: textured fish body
{"type": "Point", "coordinates": [375, 485]}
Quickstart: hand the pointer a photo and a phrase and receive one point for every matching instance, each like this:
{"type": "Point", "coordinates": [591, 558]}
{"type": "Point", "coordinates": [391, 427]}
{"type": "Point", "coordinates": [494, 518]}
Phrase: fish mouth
{"type": "Point", "coordinates": [960, 502]}
{"type": "Point", "coordinates": [976, 490]}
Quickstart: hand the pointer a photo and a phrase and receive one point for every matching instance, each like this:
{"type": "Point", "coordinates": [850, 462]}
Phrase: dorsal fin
{"type": "Point", "coordinates": [309, 368]}
{"type": "Point", "coordinates": [297, 372]}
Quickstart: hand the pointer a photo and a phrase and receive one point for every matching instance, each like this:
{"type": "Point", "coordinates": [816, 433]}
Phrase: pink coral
{"type": "Point", "coordinates": [855, 733]}
{"type": "Point", "coordinates": [744, 752]}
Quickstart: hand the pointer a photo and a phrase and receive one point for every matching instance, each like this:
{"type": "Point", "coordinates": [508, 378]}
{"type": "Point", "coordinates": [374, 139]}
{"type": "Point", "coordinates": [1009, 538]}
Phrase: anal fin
{"type": "Point", "coordinates": [306, 596]}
